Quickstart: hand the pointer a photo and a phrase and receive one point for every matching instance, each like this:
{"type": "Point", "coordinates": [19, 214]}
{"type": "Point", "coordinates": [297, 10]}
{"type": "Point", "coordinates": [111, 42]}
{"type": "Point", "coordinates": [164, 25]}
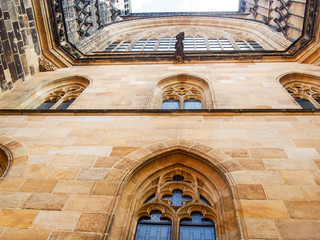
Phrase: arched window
{"type": "Point", "coordinates": [57, 94]}
{"type": "Point", "coordinates": [181, 96]}
{"type": "Point", "coordinates": [305, 89]}
{"type": "Point", "coordinates": [62, 97]}
{"type": "Point", "coordinates": [181, 92]}
{"type": "Point", "coordinates": [184, 209]}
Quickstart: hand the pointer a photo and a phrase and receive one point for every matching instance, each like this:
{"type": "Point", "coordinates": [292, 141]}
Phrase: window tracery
{"type": "Point", "coordinates": [181, 96]}
{"type": "Point", "coordinates": [181, 200]}
{"type": "Point", "coordinates": [62, 97]}
{"type": "Point", "coordinates": [306, 94]}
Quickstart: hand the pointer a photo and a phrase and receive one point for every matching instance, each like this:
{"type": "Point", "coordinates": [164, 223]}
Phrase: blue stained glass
{"type": "Point", "coordinates": [318, 100]}
{"type": "Point", "coordinates": [177, 198]}
{"type": "Point", "coordinates": [192, 104]}
{"type": "Point", "coordinates": [197, 228]}
{"type": "Point", "coordinates": [170, 104]}
{"type": "Point", "coordinates": [47, 104]}
{"type": "Point", "coordinates": [205, 201]}
{"type": "Point", "coordinates": [153, 228]}
{"type": "Point", "coordinates": [305, 103]}
{"type": "Point", "coordinates": [65, 104]}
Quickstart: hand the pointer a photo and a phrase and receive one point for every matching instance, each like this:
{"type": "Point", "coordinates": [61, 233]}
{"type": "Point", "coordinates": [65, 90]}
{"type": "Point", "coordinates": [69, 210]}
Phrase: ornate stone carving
{"type": "Point", "coordinates": [180, 57]}
{"type": "Point", "coordinates": [45, 65]}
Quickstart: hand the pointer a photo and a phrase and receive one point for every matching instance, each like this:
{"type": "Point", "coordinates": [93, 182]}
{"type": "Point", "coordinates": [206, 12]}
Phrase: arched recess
{"type": "Point", "coordinates": [303, 87]}
{"type": "Point", "coordinates": [201, 166]}
{"type": "Point", "coordinates": [63, 88]}
{"type": "Point", "coordinates": [15, 157]}
{"type": "Point", "coordinates": [202, 86]}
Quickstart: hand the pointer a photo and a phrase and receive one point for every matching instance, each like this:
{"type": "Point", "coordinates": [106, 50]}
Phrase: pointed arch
{"type": "Point", "coordinates": [16, 156]}
{"type": "Point", "coordinates": [205, 171]}
{"type": "Point", "coordinates": [194, 86]}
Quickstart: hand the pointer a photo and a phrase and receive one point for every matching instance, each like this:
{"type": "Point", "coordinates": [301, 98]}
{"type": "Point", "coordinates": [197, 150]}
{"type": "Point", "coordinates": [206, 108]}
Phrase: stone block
{"type": "Point", "coordinates": [92, 222]}
{"type": "Point", "coordinates": [237, 152]}
{"type": "Point", "coordinates": [93, 174]}
{"type": "Point", "coordinates": [45, 201]}
{"type": "Point", "coordinates": [17, 218]}
{"type": "Point", "coordinates": [25, 234]}
{"type": "Point", "coordinates": [251, 164]}
{"type": "Point", "coordinates": [74, 236]}
{"type": "Point", "coordinates": [266, 177]}
{"type": "Point", "coordinates": [11, 184]}
{"type": "Point", "coordinates": [251, 192]}
{"type": "Point", "coordinates": [105, 188]}
{"type": "Point", "coordinates": [264, 209]}
{"type": "Point", "coordinates": [267, 153]}
{"type": "Point", "coordinates": [284, 192]}
{"type": "Point", "coordinates": [297, 177]}
{"type": "Point", "coordinates": [13, 199]}
{"type": "Point", "coordinates": [259, 228]}
{"type": "Point", "coordinates": [74, 187]}
{"type": "Point", "coordinates": [73, 161]}
{"type": "Point", "coordinates": [89, 204]}
{"type": "Point", "coordinates": [295, 229]}
{"type": "Point", "coordinates": [107, 162]}
{"type": "Point", "coordinates": [56, 220]}
{"type": "Point", "coordinates": [38, 186]}
{"type": "Point", "coordinates": [304, 209]}
{"type": "Point", "coordinates": [38, 171]}
{"type": "Point", "coordinates": [64, 173]}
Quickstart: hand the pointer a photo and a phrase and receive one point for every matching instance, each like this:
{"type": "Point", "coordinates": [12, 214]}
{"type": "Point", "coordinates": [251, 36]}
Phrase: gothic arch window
{"type": "Point", "coordinates": [189, 190]}
{"type": "Point", "coordinates": [305, 89]}
{"type": "Point", "coordinates": [181, 200]}
{"type": "Point", "coordinates": [57, 94]}
{"type": "Point", "coordinates": [181, 92]}
{"type": "Point", "coordinates": [182, 96]}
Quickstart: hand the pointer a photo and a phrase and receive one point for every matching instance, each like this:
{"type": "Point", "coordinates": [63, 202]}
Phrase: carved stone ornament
{"type": "Point", "coordinates": [45, 65]}
{"type": "Point", "coordinates": [179, 47]}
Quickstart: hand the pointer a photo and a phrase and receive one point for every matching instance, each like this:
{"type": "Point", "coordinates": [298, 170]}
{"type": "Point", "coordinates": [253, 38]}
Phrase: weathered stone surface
{"type": "Point", "coordinates": [75, 187]}
{"type": "Point", "coordinates": [259, 228]}
{"type": "Point", "coordinates": [89, 204]}
{"type": "Point", "coordinates": [26, 234]}
{"type": "Point", "coordinates": [38, 186]}
{"type": "Point", "coordinates": [56, 220]}
{"type": "Point", "coordinates": [294, 229]}
{"type": "Point", "coordinates": [74, 236]}
{"type": "Point", "coordinates": [251, 192]}
{"type": "Point", "coordinates": [92, 222]}
{"type": "Point", "coordinates": [303, 209]}
{"type": "Point", "coordinates": [16, 218]}
{"type": "Point", "coordinates": [45, 201]}
{"type": "Point", "coordinates": [264, 209]}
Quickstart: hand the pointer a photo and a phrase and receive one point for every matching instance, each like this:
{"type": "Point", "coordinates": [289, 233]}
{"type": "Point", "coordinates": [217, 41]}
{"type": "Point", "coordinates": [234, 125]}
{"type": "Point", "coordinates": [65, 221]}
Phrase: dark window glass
{"type": "Point", "coordinates": [47, 104]}
{"type": "Point", "coordinates": [65, 104]}
{"type": "Point", "coordinates": [197, 228]}
{"type": "Point", "coordinates": [170, 104]}
{"type": "Point", "coordinates": [205, 201]}
{"type": "Point", "coordinates": [176, 198]}
{"type": "Point", "coordinates": [178, 178]}
{"type": "Point", "coordinates": [305, 103]}
{"type": "Point", "coordinates": [318, 100]}
{"type": "Point", "coordinates": [149, 199]}
{"type": "Point", "coordinates": [192, 104]}
{"type": "Point", "coordinates": [153, 228]}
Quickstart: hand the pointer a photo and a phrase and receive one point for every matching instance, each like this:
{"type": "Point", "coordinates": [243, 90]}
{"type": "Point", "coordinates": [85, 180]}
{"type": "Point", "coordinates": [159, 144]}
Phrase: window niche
{"type": "Point", "coordinates": [181, 92]}
{"type": "Point", "coordinates": [304, 88]}
{"type": "Point", "coordinates": [57, 94]}
{"type": "Point", "coordinates": [169, 197]}
{"type": "Point", "coordinates": [5, 162]}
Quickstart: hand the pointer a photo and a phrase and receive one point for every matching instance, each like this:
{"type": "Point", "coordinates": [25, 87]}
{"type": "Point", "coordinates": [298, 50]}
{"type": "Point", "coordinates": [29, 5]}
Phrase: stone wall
{"type": "Point", "coordinates": [19, 45]}
{"type": "Point", "coordinates": [66, 169]}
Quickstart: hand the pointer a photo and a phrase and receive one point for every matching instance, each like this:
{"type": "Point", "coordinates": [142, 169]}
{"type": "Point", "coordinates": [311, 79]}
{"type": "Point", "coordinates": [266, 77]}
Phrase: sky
{"type": "Point", "coordinates": [139, 6]}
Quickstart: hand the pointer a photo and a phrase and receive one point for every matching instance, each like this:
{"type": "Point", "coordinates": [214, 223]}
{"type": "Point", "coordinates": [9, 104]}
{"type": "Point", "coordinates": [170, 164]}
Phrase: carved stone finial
{"type": "Point", "coordinates": [179, 47]}
{"type": "Point", "coordinates": [45, 65]}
